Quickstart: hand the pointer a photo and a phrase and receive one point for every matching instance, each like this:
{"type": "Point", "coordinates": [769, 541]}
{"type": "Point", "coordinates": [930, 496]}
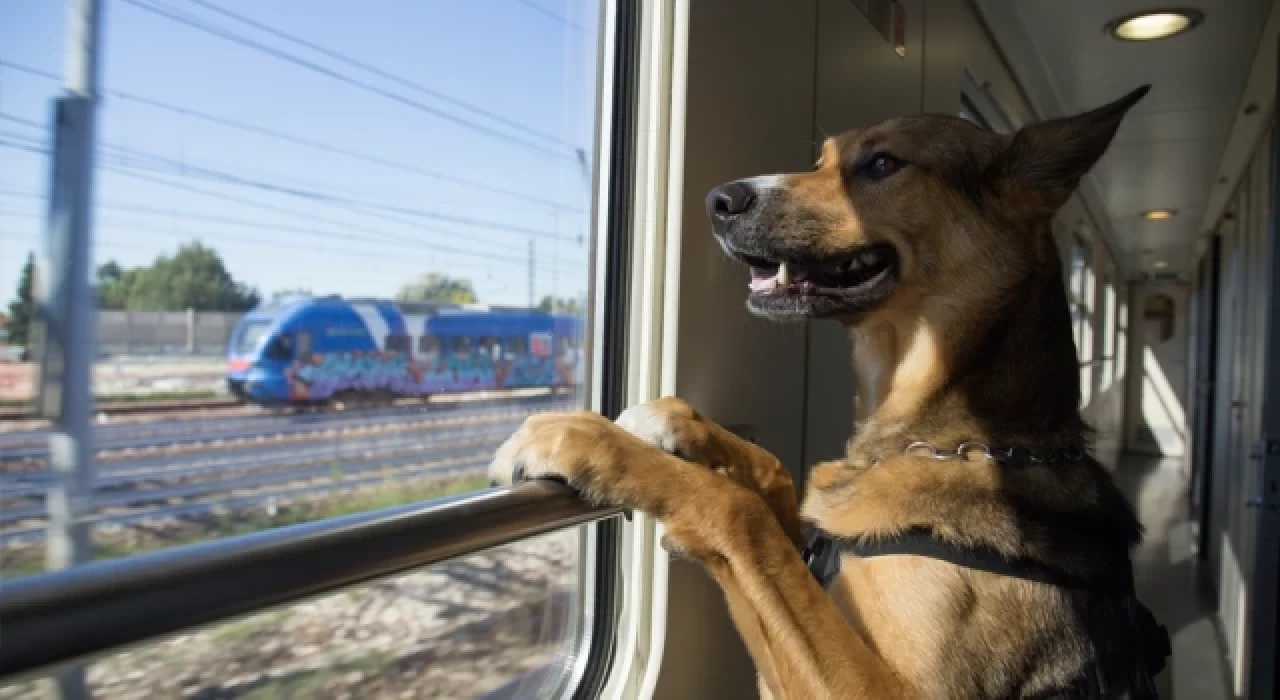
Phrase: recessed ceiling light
{"type": "Point", "coordinates": [1154, 24]}
{"type": "Point", "coordinates": [1158, 214]}
{"type": "Point", "coordinates": [1159, 264]}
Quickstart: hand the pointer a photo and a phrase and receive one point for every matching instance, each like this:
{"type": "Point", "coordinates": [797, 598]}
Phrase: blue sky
{"type": "Point", "coordinates": [352, 225]}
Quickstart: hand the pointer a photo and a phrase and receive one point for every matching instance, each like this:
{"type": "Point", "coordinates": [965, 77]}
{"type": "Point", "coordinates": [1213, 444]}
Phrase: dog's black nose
{"type": "Point", "coordinates": [729, 200]}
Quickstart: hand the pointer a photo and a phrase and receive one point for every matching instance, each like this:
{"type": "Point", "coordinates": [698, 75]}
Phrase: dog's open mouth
{"type": "Point", "coordinates": [861, 274]}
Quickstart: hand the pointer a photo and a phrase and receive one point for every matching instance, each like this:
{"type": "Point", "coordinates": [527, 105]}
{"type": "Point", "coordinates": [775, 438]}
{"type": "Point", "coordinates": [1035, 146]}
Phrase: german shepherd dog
{"type": "Point", "coordinates": [970, 546]}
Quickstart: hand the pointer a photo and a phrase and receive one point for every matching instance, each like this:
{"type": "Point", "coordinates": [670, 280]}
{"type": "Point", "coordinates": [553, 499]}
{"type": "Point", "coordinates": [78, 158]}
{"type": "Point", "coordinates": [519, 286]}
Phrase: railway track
{"type": "Point", "coordinates": [126, 408]}
{"type": "Point", "coordinates": [131, 491]}
{"type": "Point", "coordinates": [26, 451]}
{"type": "Point", "coordinates": [262, 497]}
{"type": "Point", "coordinates": [185, 467]}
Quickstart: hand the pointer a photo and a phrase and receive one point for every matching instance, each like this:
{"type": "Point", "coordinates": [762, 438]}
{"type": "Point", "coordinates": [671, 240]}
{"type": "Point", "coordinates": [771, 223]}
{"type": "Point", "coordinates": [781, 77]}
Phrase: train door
{"type": "Point", "coordinates": [1231, 578]}
{"type": "Point", "coordinates": [1246, 475]}
{"type": "Point", "coordinates": [1259, 671]}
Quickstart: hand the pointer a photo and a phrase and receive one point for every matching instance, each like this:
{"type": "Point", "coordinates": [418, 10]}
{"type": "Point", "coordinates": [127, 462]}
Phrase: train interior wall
{"type": "Point", "coordinates": [766, 82]}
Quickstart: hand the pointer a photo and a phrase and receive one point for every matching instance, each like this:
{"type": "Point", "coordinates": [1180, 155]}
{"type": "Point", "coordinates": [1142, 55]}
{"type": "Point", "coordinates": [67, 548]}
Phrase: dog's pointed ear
{"type": "Point", "coordinates": [1044, 162]}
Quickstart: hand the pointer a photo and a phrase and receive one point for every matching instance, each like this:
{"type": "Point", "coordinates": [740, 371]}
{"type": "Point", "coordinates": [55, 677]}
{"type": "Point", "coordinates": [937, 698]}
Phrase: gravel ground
{"type": "Point", "coordinates": [456, 630]}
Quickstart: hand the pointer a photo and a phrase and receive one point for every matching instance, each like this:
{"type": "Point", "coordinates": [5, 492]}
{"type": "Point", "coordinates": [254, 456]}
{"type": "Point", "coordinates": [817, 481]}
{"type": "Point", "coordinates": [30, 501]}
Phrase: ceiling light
{"type": "Point", "coordinates": [1159, 264]}
{"type": "Point", "coordinates": [1154, 24]}
{"type": "Point", "coordinates": [1158, 214]}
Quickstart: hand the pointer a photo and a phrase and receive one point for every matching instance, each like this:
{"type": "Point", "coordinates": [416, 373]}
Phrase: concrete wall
{"type": "Point", "coordinates": [165, 332]}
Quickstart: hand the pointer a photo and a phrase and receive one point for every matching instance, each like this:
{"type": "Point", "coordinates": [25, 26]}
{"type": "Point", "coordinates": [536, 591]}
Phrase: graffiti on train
{"type": "Point", "coordinates": [322, 375]}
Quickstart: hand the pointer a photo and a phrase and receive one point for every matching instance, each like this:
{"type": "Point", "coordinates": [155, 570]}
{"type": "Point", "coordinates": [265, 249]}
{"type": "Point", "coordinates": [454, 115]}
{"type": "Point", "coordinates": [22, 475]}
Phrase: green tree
{"type": "Point", "coordinates": [560, 306]}
{"type": "Point", "coordinates": [22, 309]}
{"type": "Point", "coordinates": [112, 285]}
{"type": "Point", "coordinates": [434, 286]}
{"type": "Point", "coordinates": [193, 278]}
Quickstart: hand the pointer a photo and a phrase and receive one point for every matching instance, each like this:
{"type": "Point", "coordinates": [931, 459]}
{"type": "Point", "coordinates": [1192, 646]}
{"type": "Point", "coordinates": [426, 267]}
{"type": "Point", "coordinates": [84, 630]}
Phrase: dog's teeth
{"type": "Point", "coordinates": [869, 257]}
{"type": "Point", "coordinates": [784, 275]}
{"type": "Point", "coordinates": [853, 264]}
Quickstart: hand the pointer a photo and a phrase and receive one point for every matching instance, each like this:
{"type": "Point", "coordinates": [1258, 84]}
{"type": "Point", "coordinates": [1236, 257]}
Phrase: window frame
{"type": "Point", "coordinates": [103, 590]}
{"type": "Point", "coordinates": [1081, 291]}
{"type": "Point", "coordinates": [977, 102]}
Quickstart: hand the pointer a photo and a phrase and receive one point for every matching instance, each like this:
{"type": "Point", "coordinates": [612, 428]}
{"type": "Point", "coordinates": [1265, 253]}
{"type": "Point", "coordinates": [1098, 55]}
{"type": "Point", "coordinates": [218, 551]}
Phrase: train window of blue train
{"type": "Point", "coordinates": [280, 348]}
{"type": "Point", "coordinates": [250, 335]}
{"type": "Point", "coordinates": [460, 345]}
{"type": "Point", "coordinates": [332, 275]}
{"type": "Point", "coordinates": [398, 343]}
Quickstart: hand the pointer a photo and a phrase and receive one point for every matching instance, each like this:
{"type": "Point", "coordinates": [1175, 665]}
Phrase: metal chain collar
{"type": "Point", "coordinates": [1009, 455]}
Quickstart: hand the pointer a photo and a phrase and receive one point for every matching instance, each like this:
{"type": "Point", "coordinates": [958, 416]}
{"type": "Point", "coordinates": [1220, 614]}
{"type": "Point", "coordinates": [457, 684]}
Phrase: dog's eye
{"type": "Point", "coordinates": [880, 166]}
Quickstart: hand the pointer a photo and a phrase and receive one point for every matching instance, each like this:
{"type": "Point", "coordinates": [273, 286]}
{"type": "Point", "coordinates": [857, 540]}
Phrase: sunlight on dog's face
{"type": "Point", "coordinates": [911, 210]}
{"type": "Point", "coordinates": [884, 212]}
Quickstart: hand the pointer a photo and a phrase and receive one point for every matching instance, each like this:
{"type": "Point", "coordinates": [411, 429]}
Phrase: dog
{"type": "Point", "coordinates": [967, 545]}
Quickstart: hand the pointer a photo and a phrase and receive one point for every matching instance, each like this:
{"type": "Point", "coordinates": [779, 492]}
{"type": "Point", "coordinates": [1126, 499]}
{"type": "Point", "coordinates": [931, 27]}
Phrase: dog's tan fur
{"type": "Point", "coordinates": [973, 344]}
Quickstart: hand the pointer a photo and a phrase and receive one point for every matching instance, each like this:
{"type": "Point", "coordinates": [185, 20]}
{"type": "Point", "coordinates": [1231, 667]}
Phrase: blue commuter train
{"type": "Point", "coordinates": [316, 349]}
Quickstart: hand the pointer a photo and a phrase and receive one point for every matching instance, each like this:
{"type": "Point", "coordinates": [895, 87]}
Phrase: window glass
{"type": "Point", "coordinates": [304, 344]}
{"type": "Point", "coordinates": [362, 174]}
{"type": "Point", "coordinates": [516, 345]}
{"type": "Point", "coordinates": [1122, 340]}
{"type": "Point", "coordinates": [460, 345]}
{"type": "Point", "coordinates": [499, 622]}
{"type": "Point", "coordinates": [1080, 292]}
{"type": "Point", "coordinates": [398, 343]}
{"type": "Point", "coordinates": [1108, 332]}
{"type": "Point", "coordinates": [251, 333]}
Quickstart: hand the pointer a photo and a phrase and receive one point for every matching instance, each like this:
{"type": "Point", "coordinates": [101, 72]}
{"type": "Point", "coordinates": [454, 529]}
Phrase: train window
{"type": "Point", "coordinates": [250, 335]}
{"type": "Point", "coordinates": [398, 343]}
{"type": "Point", "coordinates": [1108, 331]}
{"type": "Point", "coordinates": [1080, 294]}
{"type": "Point", "coordinates": [516, 345]}
{"type": "Point", "coordinates": [303, 348]}
{"type": "Point", "coordinates": [1122, 340]}
{"type": "Point", "coordinates": [335, 174]}
{"type": "Point", "coordinates": [970, 112]}
{"type": "Point", "coordinates": [281, 348]}
{"type": "Point", "coordinates": [414, 632]}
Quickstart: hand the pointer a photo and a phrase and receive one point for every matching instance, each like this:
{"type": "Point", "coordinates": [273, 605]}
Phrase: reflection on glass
{"type": "Point", "coordinates": [499, 624]}
{"type": "Point", "coordinates": [339, 254]}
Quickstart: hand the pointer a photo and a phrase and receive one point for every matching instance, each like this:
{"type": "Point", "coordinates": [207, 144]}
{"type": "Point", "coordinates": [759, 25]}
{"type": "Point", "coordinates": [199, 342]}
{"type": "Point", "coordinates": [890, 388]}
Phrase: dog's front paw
{"type": "Point", "coordinates": [672, 425]}
{"type": "Point", "coordinates": [551, 445]}
{"type": "Point", "coordinates": [602, 461]}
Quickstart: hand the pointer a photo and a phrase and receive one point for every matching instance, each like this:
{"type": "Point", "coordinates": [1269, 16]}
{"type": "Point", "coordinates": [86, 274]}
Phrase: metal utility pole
{"type": "Point", "coordinates": [65, 312]}
{"type": "Point", "coordinates": [531, 304]}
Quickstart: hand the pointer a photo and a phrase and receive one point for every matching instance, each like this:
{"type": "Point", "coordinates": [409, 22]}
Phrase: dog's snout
{"type": "Point", "coordinates": [729, 200]}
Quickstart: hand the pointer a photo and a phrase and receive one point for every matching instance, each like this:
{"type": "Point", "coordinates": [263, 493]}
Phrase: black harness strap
{"type": "Point", "coordinates": [1130, 645]}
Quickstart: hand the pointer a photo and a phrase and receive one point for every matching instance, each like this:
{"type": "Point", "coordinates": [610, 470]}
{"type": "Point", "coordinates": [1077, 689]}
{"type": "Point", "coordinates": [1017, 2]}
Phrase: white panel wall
{"type": "Point", "coordinates": [750, 111]}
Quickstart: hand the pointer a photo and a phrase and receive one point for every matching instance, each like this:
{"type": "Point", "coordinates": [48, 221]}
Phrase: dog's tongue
{"type": "Point", "coordinates": [763, 280]}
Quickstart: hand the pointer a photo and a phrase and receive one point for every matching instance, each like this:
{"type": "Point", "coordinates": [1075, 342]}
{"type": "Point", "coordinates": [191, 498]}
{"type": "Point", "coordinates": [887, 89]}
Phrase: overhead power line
{"type": "Point", "coordinates": [348, 80]}
{"type": "Point", "coordinates": [184, 168]}
{"type": "Point", "coordinates": [351, 233]}
{"type": "Point", "coordinates": [307, 143]}
{"type": "Point", "coordinates": [342, 58]}
{"type": "Point", "coordinates": [549, 15]}
{"type": "Point", "coordinates": [404, 242]}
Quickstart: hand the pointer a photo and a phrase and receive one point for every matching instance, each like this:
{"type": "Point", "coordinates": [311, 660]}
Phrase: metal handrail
{"type": "Point", "coordinates": [77, 614]}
